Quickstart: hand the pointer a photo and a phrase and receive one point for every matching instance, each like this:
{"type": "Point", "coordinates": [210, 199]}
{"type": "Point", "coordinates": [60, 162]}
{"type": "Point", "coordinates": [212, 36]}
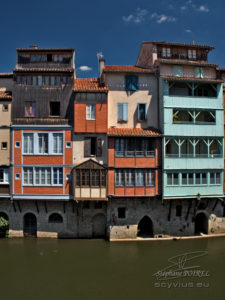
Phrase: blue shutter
{"type": "Point", "coordinates": [125, 111]}
{"type": "Point", "coordinates": [134, 86]}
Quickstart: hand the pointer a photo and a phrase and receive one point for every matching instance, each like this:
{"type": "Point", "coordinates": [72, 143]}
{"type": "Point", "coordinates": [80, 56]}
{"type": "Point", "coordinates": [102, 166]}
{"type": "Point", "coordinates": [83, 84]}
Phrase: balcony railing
{"type": "Point", "coordinates": [183, 57]}
{"type": "Point", "coordinates": [134, 153]}
{"type": "Point", "coordinates": [193, 156]}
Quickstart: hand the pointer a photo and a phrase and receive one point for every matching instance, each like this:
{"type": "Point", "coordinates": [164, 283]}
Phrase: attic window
{"type": "Point", "coordinates": [54, 109]}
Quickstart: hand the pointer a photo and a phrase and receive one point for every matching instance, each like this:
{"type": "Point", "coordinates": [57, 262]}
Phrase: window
{"type": "Point", "coordinates": [57, 143]}
{"type": "Point", "coordinates": [134, 147]}
{"type": "Point", "coordinates": [17, 144]}
{"type": "Point", "coordinates": [40, 80]}
{"type": "Point", "coordinates": [55, 218]}
{"type": "Point", "coordinates": [215, 178]}
{"type": "Point", "coordinates": [54, 109]}
{"type": "Point", "coordinates": [134, 177]}
{"type": "Point", "coordinates": [121, 212]}
{"type": "Point", "coordinates": [34, 81]}
{"type": "Point", "coordinates": [4, 175]}
{"type": "Point", "coordinates": [199, 72]}
{"type": "Point", "coordinates": [177, 71]}
{"type": "Point", "coordinates": [68, 144]}
{"type": "Point", "coordinates": [192, 54]}
{"type": "Point", "coordinates": [17, 176]}
{"type": "Point", "coordinates": [95, 177]}
{"type": "Point", "coordinates": [49, 57]}
{"type": "Point", "coordinates": [32, 58]}
{"type": "Point", "coordinates": [42, 176]}
{"type": "Point", "coordinates": [27, 176]}
{"type": "Point", "coordinates": [46, 80]}
{"type": "Point", "coordinates": [90, 177]}
{"type": "Point", "coordinates": [52, 80]}
{"type": "Point", "coordinates": [172, 179]}
{"type": "Point", "coordinates": [68, 177]}
{"type": "Point", "coordinates": [43, 57]}
{"type": "Point", "coordinates": [28, 143]}
{"type": "Point", "coordinates": [4, 145]}
{"type": "Point", "coordinates": [5, 107]}
{"type": "Point", "coordinates": [142, 111]}
{"type": "Point", "coordinates": [92, 146]}
{"type": "Point", "coordinates": [131, 83]}
{"type": "Point", "coordinates": [57, 176]}
{"type": "Point", "coordinates": [122, 112]}
{"type": "Point", "coordinates": [90, 112]}
{"type": "Point", "coordinates": [58, 80]}
{"type": "Point", "coordinates": [42, 143]}
{"type": "Point", "coordinates": [178, 210]}
{"type": "Point", "coordinates": [30, 109]}
{"type": "Point", "coordinates": [166, 52]}
{"type": "Point", "coordinates": [28, 80]}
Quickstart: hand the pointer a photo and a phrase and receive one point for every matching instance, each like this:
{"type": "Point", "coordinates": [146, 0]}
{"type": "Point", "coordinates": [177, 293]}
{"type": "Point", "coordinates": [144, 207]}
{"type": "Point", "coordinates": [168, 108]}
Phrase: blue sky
{"type": "Point", "coordinates": [115, 28]}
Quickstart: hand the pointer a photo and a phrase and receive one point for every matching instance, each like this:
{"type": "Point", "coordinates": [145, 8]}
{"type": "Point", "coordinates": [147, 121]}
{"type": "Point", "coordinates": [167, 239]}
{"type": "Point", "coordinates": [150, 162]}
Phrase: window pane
{"type": "Point", "coordinates": [37, 176]}
{"type": "Point", "coordinates": [42, 176]}
{"type": "Point", "coordinates": [25, 176]}
{"type": "Point", "coordinates": [217, 178]}
{"type": "Point", "coordinates": [52, 80]}
{"type": "Point", "coordinates": [197, 178]}
{"type": "Point", "coordinates": [190, 178]}
{"type": "Point", "coordinates": [47, 80]}
{"type": "Point", "coordinates": [48, 176]}
{"type": "Point", "coordinates": [204, 178]}
{"type": "Point", "coordinates": [212, 178]}
{"type": "Point", "coordinates": [140, 177]}
{"type": "Point", "coordinates": [184, 178]}
{"type": "Point", "coordinates": [175, 178]}
{"type": "Point", "coordinates": [40, 80]}
{"type": "Point", "coordinates": [169, 179]}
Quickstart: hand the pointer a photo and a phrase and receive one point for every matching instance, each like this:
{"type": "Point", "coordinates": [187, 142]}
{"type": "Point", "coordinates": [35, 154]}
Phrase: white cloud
{"type": "Point", "coordinates": [137, 17]}
{"type": "Point", "coordinates": [85, 68]}
{"type": "Point", "coordinates": [188, 30]}
{"type": "Point", "coordinates": [162, 18]}
{"type": "Point", "coordinates": [203, 8]}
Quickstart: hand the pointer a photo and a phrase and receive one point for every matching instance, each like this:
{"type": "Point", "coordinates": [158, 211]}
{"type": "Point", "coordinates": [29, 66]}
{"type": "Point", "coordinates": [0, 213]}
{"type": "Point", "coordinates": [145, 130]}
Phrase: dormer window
{"type": "Point", "coordinates": [166, 52]}
{"type": "Point", "coordinates": [192, 54]}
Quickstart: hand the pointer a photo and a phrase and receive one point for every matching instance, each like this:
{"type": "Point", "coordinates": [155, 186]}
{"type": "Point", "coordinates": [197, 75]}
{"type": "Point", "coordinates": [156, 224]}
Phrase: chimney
{"type": "Point", "coordinates": [33, 47]}
{"type": "Point", "coordinates": [193, 42]}
{"type": "Point", "coordinates": [101, 66]}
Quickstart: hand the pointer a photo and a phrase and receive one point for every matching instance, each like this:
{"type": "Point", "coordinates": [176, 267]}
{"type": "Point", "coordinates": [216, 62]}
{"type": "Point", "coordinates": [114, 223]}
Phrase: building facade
{"type": "Point", "coordinates": [191, 120]}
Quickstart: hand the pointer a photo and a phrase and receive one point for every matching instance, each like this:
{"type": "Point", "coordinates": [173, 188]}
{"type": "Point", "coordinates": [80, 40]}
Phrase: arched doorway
{"type": "Point", "coordinates": [30, 225]}
{"type": "Point", "coordinates": [4, 224]}
{"type": "Point", "coordinates": [145, 227]}
{"type": "Point", "coordinates": [201, 224]}
{"type": "Point", "coordinates": [99, 226]}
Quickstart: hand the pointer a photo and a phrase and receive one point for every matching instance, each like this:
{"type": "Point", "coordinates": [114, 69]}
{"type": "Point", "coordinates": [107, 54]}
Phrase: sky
{"type": "Point", "coordinates": [114, 28]}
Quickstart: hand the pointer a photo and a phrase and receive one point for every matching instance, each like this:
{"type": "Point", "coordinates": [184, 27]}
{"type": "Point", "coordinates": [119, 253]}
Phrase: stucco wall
{"type": "Point", "coordinates": [5, 154]}
{"type": "Point", "coordinates": [147, 93]}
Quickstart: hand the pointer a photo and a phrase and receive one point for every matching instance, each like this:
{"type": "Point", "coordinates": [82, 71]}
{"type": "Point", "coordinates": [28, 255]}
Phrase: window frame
{"type": "Point", "coordinates": [90, 112]}
{"type": "Point", "coordinates": [122, 112]}
{"type": "Point", "coordinates": [138, 111]}
{"type": "Point", "coordinates": [5, 176]}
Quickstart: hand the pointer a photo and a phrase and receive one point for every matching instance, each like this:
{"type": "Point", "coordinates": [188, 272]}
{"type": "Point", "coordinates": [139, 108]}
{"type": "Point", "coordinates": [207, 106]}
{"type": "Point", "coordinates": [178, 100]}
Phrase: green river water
{"type": "Point", "coordinates": [33, 269]}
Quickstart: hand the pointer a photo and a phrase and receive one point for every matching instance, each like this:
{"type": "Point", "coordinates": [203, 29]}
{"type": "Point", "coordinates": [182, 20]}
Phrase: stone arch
{"type": "Point", "coordinates": [29, 225]}
{"type": "Point", "coordinates": [201, 223]}
{"type": "Point", "coordinates": [99, 226]}
{"type": "Point", "coordinates": [55, 218]}
{"type": "Point", "coordinates": [4, 228]}
{"type": "Point", "coordinates": [145, 227]}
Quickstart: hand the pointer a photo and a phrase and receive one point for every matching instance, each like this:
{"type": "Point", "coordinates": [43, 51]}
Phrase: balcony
{"type": "Point", "coordinates": [192, 102]}
{"type": "Point", "coordinates": [202, 57]}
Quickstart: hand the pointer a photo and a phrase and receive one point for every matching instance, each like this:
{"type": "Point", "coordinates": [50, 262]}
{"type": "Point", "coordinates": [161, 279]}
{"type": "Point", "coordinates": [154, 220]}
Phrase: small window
{"type": "Point", "coordinates": [17, 144]}
{"type": "Point", "coordinates": [58, 176]}
{"type": "Point", "coordinates": [131, 83]}
{"type": "Point", "coordinates": [5, 107]}
{"type": "Point", "coordinates": [17, 176]}
{"type": "Point", "coordinates": [90, 146]}
{"type": "Point", "coordinates": [178, 210]}
{"type": "Point", "coordinates": [55, 218]}
{"type": "Point", "coordinates": [98, 204]}
{"type": "Point", "coordinates": [54, 109]}
{"type": "Point", "coordinates": [44, 57]}
{"type": "Point", "coordinates": [57, 143]}
{"type": "Point", "coordinates": [121, 212]}
{"type": "Point", "coordinates": [4, 145]}
{"type": "Point", "coordinates": [30, 109]}
{"type": "Point", "coordinates": [68, 144]}
{"type": "Point", "coordinates": [177, 71]}
{"type": "Point", "coordinates": [4, 175]}
{"type": "Point", "coordinates": [67, 177]}
{"type": "Point", "coordinates": [142, 115]}
{"type": "Point", "coordinates": [90, 112]}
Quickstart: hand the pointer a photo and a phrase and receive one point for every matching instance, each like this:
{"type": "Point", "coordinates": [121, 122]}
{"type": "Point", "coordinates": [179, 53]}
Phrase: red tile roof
{"type": "Point", "coordinates": [89, 85]}
{"type": "Point", "coordinates": [5, 95]}
{"type": "Point", "coordinates": [185, 62]}
{"type": "Point", "coordinates": [134, 132]}
{"type": "Point", "coordinates": [192, 79]}
{"type": "Point", "coordinates": [114, 68]}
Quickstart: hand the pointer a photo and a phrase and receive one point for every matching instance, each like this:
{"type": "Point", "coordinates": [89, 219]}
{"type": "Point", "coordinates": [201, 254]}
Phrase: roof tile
{"type": "Point", "coordinates": [134, 132]}
{"type": "Point", "coordinates": [89, 85]}
{"type": "Point", "coordinates": [117, 68]}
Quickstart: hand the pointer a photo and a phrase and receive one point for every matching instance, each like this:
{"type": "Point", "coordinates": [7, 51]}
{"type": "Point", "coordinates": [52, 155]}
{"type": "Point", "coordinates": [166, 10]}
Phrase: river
{"type": "Point", "coordinates": [36, 269]}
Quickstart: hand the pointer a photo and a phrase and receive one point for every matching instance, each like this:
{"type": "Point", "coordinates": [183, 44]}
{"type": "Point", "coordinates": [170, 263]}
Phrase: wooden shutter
{"type": "Point", "coordinates": [87, 147]}
{"type": "Point", "coordinates": [99, 147]}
